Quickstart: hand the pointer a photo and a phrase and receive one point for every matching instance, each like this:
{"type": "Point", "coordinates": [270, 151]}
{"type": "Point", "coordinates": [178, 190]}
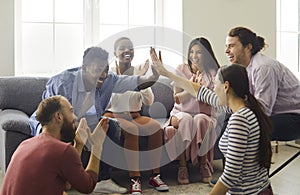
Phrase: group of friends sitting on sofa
{"type": "Point", "coordinates": [92, 107]}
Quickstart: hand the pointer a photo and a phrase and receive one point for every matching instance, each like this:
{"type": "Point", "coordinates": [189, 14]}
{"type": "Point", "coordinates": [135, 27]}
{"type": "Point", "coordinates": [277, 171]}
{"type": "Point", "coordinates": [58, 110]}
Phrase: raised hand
{"type": "Point", "coordinates": [181, 82]}
{"type": "Point", "coordinates": [197, 78]}
{"type": "Point", "coordinates": [143, 69]}
{"type": "Point", "coordinates": [97, 137]}
{"type": "Point", "coordinates": [82, 133]}
{"type": "Point", "coordinates": [157, 62]}
{"type": "Point", "coordinates": [118, 68]}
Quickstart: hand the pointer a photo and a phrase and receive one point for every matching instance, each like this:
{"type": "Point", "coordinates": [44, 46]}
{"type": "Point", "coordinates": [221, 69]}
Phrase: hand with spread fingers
{"type": "Point", "coordinates": [141, 70]}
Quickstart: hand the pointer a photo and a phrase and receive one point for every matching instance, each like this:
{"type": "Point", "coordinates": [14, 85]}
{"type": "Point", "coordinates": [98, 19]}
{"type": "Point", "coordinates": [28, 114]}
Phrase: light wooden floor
{"type": "Point", "coordinates": [286, 182]}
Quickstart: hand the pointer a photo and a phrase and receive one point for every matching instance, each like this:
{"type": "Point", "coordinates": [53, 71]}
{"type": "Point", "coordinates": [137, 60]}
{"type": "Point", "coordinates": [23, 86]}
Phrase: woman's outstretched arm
{"type": "Point", "coordinates": [181, 82]}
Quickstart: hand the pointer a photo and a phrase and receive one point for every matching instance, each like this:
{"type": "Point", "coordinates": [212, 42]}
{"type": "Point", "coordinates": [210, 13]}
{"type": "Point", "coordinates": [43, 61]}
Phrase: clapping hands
{"type": "Point", "coordinates": [82, 133]}
{"type": "Point", "coordinates": [197, 78]}
{"type": "Point", "coordinates": [96, 139]}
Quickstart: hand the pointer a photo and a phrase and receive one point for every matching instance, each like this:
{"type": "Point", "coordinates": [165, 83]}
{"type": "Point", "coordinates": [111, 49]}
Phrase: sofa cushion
{"type": "Point", "coordinates": [14, 120]}
{"type": "Point", "coordinates": [21, 93]}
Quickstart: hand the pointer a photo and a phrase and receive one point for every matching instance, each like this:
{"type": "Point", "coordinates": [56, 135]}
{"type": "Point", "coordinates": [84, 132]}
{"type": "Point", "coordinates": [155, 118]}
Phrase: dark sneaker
{"type": "Point", "coordinates": [158, 184]}
{"type": "Point", "coordinates": [136, 187]}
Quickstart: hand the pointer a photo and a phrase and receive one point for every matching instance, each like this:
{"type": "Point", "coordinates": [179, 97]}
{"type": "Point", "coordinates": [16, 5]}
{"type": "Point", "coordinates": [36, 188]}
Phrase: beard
{"type": "Point", "coordinates": [67, 132]}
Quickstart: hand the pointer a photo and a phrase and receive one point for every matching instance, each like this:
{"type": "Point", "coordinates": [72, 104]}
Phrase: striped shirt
{"type": "Point", "coordinates": [240, 145]}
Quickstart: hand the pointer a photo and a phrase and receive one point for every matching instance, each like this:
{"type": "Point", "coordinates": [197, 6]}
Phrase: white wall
{"type": "Point", "coordinates": [214, 18]}
{"type": "Point", "coordinates": [6, 37]}
{"type": "Point", "coordinates": [210, 18]}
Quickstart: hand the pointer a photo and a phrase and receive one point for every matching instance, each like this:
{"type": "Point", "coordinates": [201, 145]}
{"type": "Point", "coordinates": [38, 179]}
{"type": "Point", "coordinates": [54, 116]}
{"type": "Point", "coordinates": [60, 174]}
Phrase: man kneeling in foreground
{"type": "Point", "coordinates": [46, 163]}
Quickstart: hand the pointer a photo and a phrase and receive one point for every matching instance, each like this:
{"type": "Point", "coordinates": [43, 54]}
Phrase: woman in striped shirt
{"type": "Point", "coordinates": [246, 140]}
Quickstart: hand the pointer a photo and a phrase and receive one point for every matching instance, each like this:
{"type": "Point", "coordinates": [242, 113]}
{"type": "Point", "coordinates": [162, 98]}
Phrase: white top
{"type": "Point", "coordinates": [130, 101]}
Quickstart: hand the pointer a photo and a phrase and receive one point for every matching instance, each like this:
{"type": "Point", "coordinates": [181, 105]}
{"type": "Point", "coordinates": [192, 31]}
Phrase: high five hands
{"type": "Point", "coordinates": [98, 136]}
{"type": "Point", "coordinates": [191, 86]}
{"type": "Point", "coordinates": [96, 139]}
{"type": "Point", "coordinates": [157, 62]}
{"type": "Point", "coordinates": [140, 71]}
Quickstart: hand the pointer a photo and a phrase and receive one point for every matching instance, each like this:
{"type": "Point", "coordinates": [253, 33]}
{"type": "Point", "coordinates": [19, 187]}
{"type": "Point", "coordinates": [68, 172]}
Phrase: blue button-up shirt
{"type": "Point", "coordinates": [86, 104]}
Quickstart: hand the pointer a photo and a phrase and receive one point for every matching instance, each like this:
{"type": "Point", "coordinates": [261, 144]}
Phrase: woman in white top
{"type": "Point", "coordinates": [246, 140]}
{"type": "Point", "coordinates": [126, 108]}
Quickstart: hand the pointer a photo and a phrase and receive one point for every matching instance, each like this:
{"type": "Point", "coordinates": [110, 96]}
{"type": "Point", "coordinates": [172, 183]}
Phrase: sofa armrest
{"type": "Point", "coordinates": [14, 120]}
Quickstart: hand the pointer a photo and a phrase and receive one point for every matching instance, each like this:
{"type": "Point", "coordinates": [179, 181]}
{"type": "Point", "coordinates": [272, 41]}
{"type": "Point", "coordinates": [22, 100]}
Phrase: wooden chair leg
{"type": "Point", "coordinates": [276, 146]}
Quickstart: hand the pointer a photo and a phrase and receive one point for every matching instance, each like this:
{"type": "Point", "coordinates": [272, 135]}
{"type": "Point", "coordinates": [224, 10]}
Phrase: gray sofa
{"type": "Point", "coordinates": [19, 97]}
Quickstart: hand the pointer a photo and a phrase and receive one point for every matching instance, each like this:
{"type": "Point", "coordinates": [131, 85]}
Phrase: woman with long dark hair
{"type": "Point", "coordinates": [246, 140]}
{"type": "Point", "coordinates": [192, 119]}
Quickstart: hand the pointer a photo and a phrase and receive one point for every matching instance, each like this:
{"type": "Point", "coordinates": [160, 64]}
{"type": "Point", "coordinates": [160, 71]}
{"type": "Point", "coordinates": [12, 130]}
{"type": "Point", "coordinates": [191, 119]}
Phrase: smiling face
{"type": "Point", "coordinates": [96, 72]}
{"type": "Point", "coordinates": [196, 56]}
{"type": "Point", "coordinates": [124, 51]}
{"type": "Point", "coordinates": [235, 51]}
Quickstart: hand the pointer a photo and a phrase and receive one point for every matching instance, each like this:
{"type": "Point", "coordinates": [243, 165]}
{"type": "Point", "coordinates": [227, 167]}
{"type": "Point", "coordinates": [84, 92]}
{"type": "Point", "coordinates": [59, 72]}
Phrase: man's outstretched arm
{"type": "Point", "coordinates": [147, 81]}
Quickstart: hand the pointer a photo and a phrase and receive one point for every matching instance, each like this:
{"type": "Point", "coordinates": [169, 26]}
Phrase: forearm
{"type": "Point", "coordinates": [191, 87]}
{"type": "Point", "coordinates": [219, 189]}
{"type": "Point", "coordinates": [79, 148]}
{"type": "Point", "coordinates": [146, 81]}
{"type": "Point", "coordinates": [94, 164]}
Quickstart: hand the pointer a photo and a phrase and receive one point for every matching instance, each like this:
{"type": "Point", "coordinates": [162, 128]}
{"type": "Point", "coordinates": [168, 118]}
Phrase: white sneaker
{"type": "Point", "coordinates": [109, 186]}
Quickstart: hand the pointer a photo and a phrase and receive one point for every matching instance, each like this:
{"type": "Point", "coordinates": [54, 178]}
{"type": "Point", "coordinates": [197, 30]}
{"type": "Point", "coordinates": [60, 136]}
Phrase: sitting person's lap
{"type": "Point", "coordinates": [286, 127]}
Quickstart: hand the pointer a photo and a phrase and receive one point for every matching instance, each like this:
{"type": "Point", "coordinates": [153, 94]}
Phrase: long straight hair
{"type": "Point", "coordinates": [210, 60]}
{"type": "Point", "coordinates": [237, 77]}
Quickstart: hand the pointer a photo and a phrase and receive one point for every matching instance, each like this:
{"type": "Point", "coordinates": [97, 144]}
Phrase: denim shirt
{"type": "Point", "coordinates": [66, 82]}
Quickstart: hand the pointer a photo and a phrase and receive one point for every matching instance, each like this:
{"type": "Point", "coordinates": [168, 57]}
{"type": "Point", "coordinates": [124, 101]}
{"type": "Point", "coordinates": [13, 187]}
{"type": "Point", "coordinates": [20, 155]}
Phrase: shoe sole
{"type": "Point", "coordinates": [163, 189]}
{"type": "Point", "coordinates": [136, 193]}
